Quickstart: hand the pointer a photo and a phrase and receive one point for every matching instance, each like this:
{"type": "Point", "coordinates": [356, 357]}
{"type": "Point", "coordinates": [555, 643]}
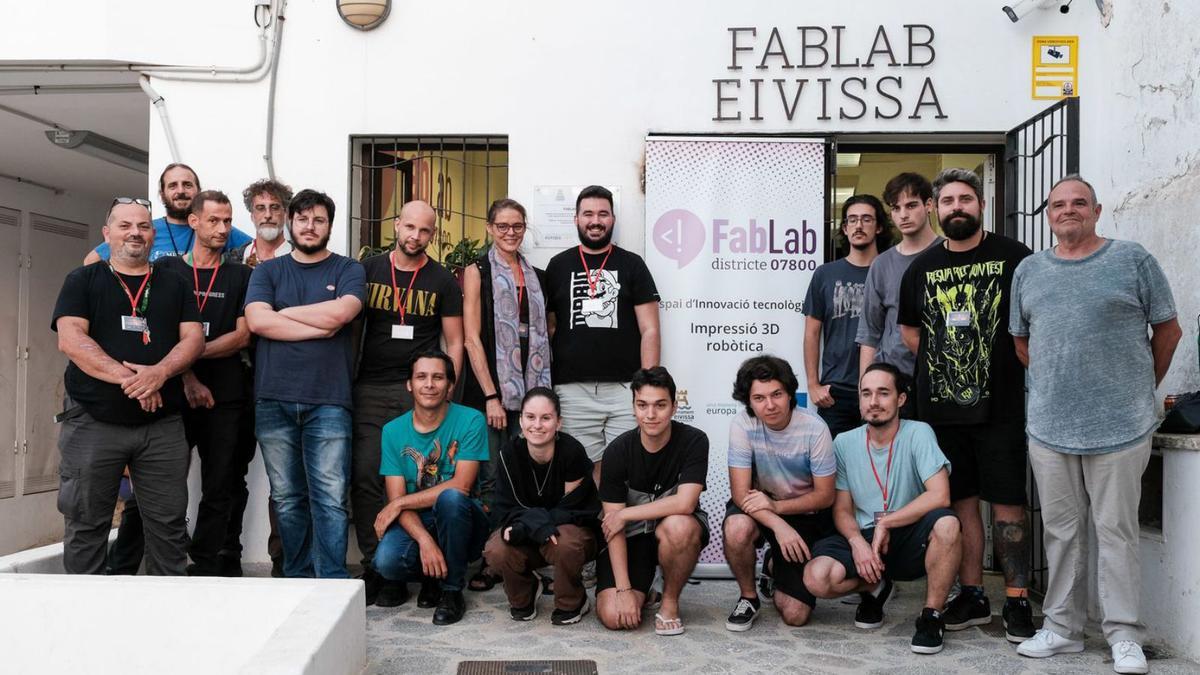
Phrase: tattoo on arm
{"type": "Point", "coordinates": [1012, 546]}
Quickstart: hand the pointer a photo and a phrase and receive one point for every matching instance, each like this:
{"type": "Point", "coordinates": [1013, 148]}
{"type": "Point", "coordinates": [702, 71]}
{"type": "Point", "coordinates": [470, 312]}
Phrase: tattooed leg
{"type": "Point", "coordinates": [1012, 546]}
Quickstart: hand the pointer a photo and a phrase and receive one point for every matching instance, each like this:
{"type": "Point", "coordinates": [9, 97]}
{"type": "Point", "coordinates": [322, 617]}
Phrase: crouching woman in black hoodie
{"type": "Point", "coordinates": [547, 507]}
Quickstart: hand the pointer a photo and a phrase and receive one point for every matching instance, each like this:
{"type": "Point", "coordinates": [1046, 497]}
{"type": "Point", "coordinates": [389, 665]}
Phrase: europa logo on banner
{"type": "Point", "coordinates": [734, 231]}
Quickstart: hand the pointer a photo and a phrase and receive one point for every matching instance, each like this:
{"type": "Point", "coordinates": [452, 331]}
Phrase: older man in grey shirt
{"type": "Point", "coordinates": [1078, 316]}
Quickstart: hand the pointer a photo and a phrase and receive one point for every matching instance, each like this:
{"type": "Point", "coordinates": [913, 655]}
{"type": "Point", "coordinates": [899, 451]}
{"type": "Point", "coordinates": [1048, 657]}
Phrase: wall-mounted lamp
{"type": "Point", "coordinates": [101, 147]}
{"type": "Point", "coordinates": [364, 14]}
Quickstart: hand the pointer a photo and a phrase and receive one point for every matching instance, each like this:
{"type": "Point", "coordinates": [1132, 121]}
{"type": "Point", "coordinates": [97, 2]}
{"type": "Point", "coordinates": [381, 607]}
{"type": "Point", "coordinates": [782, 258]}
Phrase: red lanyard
{"type": "Point", "coordinates": [396, 288]}
{"type": "Point", "coordinates": [887, 478]}
{"type": "Point", "coordinates": [133, 299]}
{"type": "Point", "coordinates": [593, 281]}
{"type": "Point", "coordinates": [196, 279]}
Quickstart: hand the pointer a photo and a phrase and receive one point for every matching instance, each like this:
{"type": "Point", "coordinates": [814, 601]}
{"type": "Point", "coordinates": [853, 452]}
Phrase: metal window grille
{"type": "Point", "coordinates": [459, 176]}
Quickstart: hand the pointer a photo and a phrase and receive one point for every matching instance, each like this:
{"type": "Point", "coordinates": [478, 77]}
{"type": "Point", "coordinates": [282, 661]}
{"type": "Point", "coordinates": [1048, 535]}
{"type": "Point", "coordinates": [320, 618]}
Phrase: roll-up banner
{"type": "Point", "coordinates": [735, 228]}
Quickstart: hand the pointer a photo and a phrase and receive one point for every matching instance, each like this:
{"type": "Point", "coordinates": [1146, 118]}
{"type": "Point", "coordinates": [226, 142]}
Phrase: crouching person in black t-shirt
{"type": "Point", "coordinates": [546, 504]}
{"type": "Point", "coordinates": [650, 485]}
{"type": "Point", "coordinates": [129, 331]}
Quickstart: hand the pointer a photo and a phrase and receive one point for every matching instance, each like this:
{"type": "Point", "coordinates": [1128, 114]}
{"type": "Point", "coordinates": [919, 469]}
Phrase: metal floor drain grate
{"type": "Point", "coordinates": [527, 668]}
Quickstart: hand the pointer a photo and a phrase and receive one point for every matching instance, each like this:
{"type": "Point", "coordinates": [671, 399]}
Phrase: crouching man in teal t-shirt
{"type": "Point", "coordinates": [433, 524]}
{"type": "Point", "coordinates": [891, 512]}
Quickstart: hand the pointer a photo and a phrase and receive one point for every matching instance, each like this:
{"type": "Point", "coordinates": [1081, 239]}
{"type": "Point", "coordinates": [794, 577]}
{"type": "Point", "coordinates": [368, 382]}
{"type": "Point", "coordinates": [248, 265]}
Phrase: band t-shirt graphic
{"type": "Point", "coordinates": [835, 298]}
{"type": "Point", "coordinates": [434, 294]}
{"type": "Point", "coordinates": [597, 337]}
{"type": "Point", "coordinates": [428, 459]}
{"type": "Point", "coordinates": [967, 368]}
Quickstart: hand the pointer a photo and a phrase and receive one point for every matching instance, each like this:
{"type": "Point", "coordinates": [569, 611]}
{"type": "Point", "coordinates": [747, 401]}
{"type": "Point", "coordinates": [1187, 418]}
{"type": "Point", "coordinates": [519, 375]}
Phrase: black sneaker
{"type": "Point", "coordinates": [1018, 620]}
{"type": "Point", "coordinates": [930, 627]}
{"type": "Point", "coordinates": [566, 617]}
{"type": "Point", "coordinates": [766, 582]}
{"type": "Point", "coordinates": [743, 615]}
{"type": "Point", "coordinates": [450, 608]}
{"type": "Point", "coordinates": [967, 610]}
{"type": "Point", "coordinates": [524, 613]}
{"type": "Point", "coordinates": [870, 608]}
{"type": "Point", "coordinates": [391, 593]}
{"type": "Point", "coordinates": [430, 594]}
{"type": "Point", "coordinates": [229, 566]}
{"type": "Point", "coordinates": [371, 583]}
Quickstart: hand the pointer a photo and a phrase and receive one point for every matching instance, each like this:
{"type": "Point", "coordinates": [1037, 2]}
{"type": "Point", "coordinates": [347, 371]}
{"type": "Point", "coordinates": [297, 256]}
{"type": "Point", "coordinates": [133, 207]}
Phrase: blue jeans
{"type": "Point", "coordinates": [306, 449]}
{"type": "Point", "coordinates": [459, 526]}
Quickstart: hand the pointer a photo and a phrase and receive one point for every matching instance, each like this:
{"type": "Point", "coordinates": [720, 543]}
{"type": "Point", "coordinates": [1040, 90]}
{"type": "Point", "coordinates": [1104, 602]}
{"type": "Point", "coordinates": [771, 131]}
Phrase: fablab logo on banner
{"type": "Point", "coordinates": [680, 235]}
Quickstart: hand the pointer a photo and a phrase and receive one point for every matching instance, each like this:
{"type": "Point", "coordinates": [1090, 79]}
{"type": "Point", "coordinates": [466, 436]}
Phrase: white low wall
{"type": "Point", "coordinates": [55, 623]}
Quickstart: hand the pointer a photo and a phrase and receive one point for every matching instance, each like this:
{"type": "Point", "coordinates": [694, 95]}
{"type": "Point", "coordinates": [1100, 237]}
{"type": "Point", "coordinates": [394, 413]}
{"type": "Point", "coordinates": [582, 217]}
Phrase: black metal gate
{"type": "Point", "coordinates": [1037, 153]}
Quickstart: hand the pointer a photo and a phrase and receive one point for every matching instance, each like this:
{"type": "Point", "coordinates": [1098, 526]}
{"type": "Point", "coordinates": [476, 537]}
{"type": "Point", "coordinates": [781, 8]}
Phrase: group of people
{"type": "Point", "coordinates": [563, 454]}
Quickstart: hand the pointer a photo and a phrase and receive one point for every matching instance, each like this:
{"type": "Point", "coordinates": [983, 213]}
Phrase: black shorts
{"type": "Point", "coordinates": [641, 559]}
{"type": "Point", "coordinates": [905, 559]}
{"type": "Point", "coordinates": [789, 576]}
{"type": "Point", "coordinates": [986, 461]}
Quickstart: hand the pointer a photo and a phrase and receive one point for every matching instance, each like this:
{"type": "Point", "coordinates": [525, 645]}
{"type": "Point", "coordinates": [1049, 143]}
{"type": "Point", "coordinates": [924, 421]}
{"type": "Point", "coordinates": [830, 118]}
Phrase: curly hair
{"type": "Point", "coordinates": [764, 368]}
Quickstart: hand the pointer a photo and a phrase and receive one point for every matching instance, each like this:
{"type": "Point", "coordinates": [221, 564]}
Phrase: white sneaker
{"type": "Point", "coordinates": [1129, 658]}
{"type": "Point", "coordinates": [1048, 643]}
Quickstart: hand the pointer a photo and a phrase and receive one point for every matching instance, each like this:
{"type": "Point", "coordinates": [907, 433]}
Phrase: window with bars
{"type": "Point", "coordinates": [459, 176]}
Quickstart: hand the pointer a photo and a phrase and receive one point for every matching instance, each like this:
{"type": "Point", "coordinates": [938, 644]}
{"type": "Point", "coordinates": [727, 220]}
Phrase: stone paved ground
{"type": "Point", "coordinates": [402, 640]}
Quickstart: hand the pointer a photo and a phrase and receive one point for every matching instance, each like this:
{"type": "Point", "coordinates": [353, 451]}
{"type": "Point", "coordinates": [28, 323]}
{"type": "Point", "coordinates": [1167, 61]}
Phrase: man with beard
{"type": "Point", "coordinates": [954, 301]}
{"type": "Point", "coordinates": [910, 198]}
{"type": "Point", "coordinates": [215, 385]}
{"type": "Point", "coordinates": [129, 331]}
{"type": "Point", "coordinates": [832, 308]}
{"type": "Point", "coordinates": [602, 311]}
{"type": "Point", "coordinates": [301, 306]}
{"type": "Point", "coordinates": [267, 201]}
{"type": "Point", "coordinates": [177, 185]}
{"type": "Point", "coordinates": [890, 512]}
{"type": "Point", "coordinates": [412, 304]}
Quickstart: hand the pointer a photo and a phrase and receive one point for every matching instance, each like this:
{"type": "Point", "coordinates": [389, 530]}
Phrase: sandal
{"type": "Point", "coordinates": [483, 581]}
{"type": "Point", "coordinates": [665, 626]}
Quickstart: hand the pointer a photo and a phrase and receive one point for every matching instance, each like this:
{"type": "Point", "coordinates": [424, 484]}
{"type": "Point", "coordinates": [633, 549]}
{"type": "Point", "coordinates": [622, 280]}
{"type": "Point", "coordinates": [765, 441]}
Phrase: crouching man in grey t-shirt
{"type": "Point", "coordinates": [1078, 315]}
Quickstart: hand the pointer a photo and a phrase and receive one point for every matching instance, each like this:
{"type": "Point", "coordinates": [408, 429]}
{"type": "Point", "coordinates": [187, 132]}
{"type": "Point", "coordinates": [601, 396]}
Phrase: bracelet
{"type": "Point", "coordinates": [490, 397]}
{"type": "Point", "coordinates": [623, 590]}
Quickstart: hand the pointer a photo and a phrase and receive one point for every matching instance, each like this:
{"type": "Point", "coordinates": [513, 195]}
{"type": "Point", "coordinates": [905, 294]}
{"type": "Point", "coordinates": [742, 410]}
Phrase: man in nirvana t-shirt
{"type": "Point", "coordinates": [129, 330]}
{"type": "Point", "coordinates": [954, 300]}
{"type": "Point", "coordinates": [602, 309]}
{"type": "Point", "coordinates": [412, 304]}
{"type": "Point", "coordinates": [650, 491]}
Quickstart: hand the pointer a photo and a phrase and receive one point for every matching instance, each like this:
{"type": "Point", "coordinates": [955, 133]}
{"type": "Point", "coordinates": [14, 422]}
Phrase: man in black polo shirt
{"type": "Point", "coordinates": [429, 308]}
{"type": "Point", "coordinates": [215, 386]}
{"type": "Point", "coordinates": [129, 332]}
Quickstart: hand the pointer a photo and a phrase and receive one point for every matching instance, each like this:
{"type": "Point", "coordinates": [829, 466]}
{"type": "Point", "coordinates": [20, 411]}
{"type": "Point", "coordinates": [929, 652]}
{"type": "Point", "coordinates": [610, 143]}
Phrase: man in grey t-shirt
{"type": "Point", "coordinates": [909, 196]}
{"type": "Point", "coordinates": [1078, 316]}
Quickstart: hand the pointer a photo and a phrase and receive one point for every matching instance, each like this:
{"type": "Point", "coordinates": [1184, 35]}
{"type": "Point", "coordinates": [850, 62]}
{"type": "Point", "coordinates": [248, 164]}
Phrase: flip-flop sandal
{"type": "Point", "coordinates": [665, 626]}
{"type": "Point", "coordinates": [653, 600]}
{"type": "Point", "coordinates": [482, 581]}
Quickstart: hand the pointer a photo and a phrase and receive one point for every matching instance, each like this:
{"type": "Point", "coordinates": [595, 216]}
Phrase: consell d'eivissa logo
{"type": "Point", "coordinates": [680, 235]}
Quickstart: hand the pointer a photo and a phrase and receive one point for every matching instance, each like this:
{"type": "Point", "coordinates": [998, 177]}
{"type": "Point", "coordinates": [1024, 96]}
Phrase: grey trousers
{"type": "Point", "coordinates": [1105, 490]}
{"type": "Point", "coordinates": [94, 454]}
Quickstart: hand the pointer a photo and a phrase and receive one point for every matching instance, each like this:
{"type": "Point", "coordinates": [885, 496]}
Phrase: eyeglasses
{"type": "Point", "coordinates": [865, 220]}
{"type": "Point", "coordinates": [131, 200]}
{"type": "Point", "coordinates": [274, 208]}
{"type": "Point", "coordinates": [515, 228]}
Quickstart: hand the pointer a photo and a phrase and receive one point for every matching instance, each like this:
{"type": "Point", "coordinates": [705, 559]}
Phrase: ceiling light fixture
{"type": "Point", "coordinates": [364, 14]}
{"type": "Point", "coordinates": [101, 147]}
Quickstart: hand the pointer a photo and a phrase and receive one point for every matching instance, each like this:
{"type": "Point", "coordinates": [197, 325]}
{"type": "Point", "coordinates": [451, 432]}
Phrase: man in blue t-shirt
{"type": "Point", "coordinates": [300, 306]}
{"type": "Point", "coordinates": [430, 462]}
{"type": "Point", "coordinates": [178, 184]}
{"type": "Point", "coordinates": [892, 513]}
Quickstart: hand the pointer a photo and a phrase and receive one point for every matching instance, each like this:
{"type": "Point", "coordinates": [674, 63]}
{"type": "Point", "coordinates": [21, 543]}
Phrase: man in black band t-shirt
{"type": "Point", "coordinates": [215, 387]}
{"type": "Point", "coordinates": [129, 331]}
{"type": "Point", "coordinates": [602, 312]}
{"type": "Point", "coordinates": [953, 313]}
{"type": "Point", "coordinates": [429, 309]}
{"type": "Point", "coordinates": [650, 490]}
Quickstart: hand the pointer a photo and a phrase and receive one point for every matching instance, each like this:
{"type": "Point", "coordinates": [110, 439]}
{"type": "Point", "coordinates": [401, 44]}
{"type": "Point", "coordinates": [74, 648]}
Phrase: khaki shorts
{"type": "Point", "coordinates": [595, 413]}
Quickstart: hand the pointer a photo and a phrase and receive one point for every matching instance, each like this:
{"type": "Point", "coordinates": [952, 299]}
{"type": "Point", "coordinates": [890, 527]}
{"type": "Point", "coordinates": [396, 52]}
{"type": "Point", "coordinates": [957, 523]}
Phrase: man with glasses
{"type": "Point", "coordinates": [267, 201]}
{"type": "Point", "coordinates": [178, 184]}
{"type": "Point", "coordinates": [129, 331]}
{"type": "Point", "coordinates": [413, 303]}
{"type": "Point", "coordinates": [832, 308]}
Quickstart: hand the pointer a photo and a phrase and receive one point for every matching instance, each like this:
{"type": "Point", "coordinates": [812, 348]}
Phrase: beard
{"type": "Point", "coordinates": [174, 213]}
{"type": "Point", "coordinates": [861, 247]}
{"type": "Point", "coordinates": [881, 421]}
{"type": "Point", "coordinates": [594, 243]}
{"type": "Point", "coordinates": [270, 232]}
{"type": "Point", "coordinates": [960, 225]}
{"type": "Point", "coordinates": [310, 248]}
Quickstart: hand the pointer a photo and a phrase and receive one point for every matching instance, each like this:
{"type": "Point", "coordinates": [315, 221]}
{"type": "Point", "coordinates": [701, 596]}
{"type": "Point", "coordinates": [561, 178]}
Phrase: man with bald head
{"type": "Point", "coordinates": [129, 330]}
{"type": "Point", "coordinates": [413, 305]}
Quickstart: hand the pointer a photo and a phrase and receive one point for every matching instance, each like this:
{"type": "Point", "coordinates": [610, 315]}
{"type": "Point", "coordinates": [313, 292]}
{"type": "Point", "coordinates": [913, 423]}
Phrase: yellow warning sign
{"type": "Point", "coordinates": [1055, 66]}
